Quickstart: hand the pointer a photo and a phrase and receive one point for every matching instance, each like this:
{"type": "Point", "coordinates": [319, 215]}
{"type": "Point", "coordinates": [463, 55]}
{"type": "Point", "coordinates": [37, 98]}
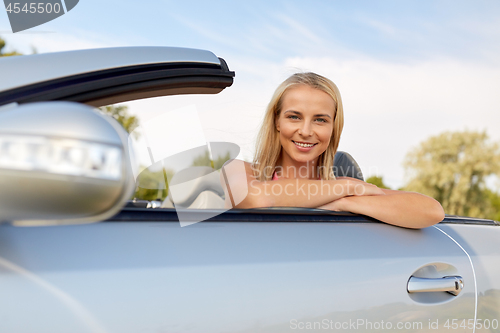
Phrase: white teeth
{"type": "Point", "coordinates": [305, 145]}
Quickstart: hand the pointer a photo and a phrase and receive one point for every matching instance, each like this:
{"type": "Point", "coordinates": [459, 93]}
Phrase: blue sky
{"type": "Point", "coordinates": [406, 69]}
{"type": "Point", "coordinates": [392, 30]}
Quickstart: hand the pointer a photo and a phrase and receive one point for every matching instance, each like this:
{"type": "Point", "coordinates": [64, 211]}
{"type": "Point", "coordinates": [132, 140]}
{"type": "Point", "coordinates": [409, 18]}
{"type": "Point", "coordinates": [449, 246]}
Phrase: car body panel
{"type": "Point", "coordinates": [221, 276]}
{"type": "Point", "coordinates": [482, 246]}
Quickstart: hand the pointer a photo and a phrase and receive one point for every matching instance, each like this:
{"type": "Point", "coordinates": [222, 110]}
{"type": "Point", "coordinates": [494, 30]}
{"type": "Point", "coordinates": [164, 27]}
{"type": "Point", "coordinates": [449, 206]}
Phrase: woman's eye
{"type": "Point", "coordinates": [321, 120]}
{"type": "Point", "coordinates": [293, 117]}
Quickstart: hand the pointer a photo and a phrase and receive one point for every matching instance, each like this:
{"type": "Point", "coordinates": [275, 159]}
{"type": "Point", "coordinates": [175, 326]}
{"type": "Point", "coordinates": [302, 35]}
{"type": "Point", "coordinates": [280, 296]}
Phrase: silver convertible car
{"type": "Point", "coordinates": [78, 255]}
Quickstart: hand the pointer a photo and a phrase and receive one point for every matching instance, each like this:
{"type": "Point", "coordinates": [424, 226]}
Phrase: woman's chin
{"type": "Point", "coordinates": [304, 158]}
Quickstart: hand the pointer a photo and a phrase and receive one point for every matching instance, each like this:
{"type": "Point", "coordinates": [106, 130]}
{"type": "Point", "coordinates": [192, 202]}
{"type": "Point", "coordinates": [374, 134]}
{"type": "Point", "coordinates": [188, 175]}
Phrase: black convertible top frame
{"type": "Point", "coordinates": [114, 85]}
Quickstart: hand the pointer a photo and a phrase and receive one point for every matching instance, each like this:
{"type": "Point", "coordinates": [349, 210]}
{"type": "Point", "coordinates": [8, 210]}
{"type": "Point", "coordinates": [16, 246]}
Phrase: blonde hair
{"type": "Point", "coordinates": [268, 148]}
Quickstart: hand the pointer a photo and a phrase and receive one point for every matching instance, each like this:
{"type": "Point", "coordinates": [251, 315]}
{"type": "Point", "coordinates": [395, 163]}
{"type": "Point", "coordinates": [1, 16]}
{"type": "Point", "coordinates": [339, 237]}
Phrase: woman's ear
{"type": "Point", "coordinates": [277, 123]}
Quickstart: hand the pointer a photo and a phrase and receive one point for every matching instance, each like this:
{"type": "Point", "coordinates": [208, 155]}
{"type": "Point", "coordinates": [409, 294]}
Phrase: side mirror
{"type": "Point", "coordinates": [61, 163]}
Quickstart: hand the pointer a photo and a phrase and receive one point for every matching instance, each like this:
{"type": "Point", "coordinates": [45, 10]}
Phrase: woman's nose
{"type": "Point", "coordinates": [305, 129]}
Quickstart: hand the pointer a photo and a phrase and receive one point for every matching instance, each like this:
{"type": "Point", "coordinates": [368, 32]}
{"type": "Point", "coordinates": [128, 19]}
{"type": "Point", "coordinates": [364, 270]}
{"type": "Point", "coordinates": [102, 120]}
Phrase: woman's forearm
{"type": "Point", "coordinates": [295, 193]}
{"type": "Point", "coordinates": [405, 209]}
{"type": "Point", "coordinates": [301, 192]}
{"type": "Point", "coordinates": [243, 190]}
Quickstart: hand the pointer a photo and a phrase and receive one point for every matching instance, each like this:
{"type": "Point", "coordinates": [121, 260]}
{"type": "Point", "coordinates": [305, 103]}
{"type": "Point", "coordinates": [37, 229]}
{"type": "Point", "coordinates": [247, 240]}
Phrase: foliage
{"type": "Point", "coordinates": [204, 160]}
{"type": "Point", "coordinates": [151, 185]}
{"type": "Point", "coordinates": [377, 181]}
{"type": "Point", "coordinates": [120, 114]}
{"type": "Point", "coordinates": [2, 54]}
{"type": "Point", "coordinates": [452, 168]}
{"type": "Point", "coordinates": [494, 199]}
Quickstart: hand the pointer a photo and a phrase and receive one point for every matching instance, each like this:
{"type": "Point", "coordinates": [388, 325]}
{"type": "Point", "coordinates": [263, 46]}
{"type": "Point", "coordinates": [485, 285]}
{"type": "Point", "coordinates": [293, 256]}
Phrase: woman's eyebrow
{"type": "Point", "coordinates": [323, 115]}
{"type": "Point", "coordinates": [316, 115]}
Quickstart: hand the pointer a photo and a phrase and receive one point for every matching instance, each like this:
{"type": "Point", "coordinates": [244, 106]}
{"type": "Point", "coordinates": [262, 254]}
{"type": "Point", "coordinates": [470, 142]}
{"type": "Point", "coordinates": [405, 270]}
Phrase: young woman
{"type": "Point", "coordinates": [293, 165]}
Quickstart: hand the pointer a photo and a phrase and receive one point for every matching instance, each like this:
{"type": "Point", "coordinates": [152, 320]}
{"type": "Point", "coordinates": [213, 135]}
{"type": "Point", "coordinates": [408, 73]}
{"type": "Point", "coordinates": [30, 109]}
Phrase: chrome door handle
{"type": "Point", "coordinates": [450, 284]}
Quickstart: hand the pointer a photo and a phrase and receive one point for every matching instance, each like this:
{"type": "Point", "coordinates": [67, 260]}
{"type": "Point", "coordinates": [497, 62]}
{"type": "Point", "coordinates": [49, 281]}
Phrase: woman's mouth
{"type": "Point", "coordinates": [304, 146]}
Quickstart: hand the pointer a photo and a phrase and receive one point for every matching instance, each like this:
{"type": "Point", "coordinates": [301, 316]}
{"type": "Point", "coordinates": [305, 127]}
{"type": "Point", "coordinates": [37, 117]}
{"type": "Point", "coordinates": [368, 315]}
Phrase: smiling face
{"type": "Point", "coordinates": [305, 124]}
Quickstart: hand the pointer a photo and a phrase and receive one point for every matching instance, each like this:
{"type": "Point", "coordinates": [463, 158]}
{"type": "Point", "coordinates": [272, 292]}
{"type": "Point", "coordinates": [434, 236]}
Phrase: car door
{"type": "Point", "coordinates": [242, 271]}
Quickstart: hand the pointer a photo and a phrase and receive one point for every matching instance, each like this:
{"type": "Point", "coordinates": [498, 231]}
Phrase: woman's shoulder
{"type": "Point", "coordinates": [236, 161]}
{"type": "Point", "coordinates": [238, 167]}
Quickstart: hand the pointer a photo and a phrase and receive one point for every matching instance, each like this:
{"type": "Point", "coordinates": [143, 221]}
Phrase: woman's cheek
{"type": "Point", "coordinates": [326, 135]}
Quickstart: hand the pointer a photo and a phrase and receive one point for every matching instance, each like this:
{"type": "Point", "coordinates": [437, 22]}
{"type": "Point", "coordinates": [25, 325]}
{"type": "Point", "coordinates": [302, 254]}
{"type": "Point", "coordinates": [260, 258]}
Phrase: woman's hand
{"type": "Point", "coordinates": [404, 209]}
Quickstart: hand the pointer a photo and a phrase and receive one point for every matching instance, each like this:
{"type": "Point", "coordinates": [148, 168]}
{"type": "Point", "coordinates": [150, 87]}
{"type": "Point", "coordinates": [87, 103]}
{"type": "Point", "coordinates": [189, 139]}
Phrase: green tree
{"type": "Point", "coordinates": [452, 168]}
{"type": "Point", "coordinates": [121, 115]}
{"type": "Point", "coordinates": [378, 181]}
{"type": "Point", "coordinates": [151, 185]}
{"type": "Point", "coordinates": [3, 54]}
{"type": "Point", "coordinates": [494, 199]}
